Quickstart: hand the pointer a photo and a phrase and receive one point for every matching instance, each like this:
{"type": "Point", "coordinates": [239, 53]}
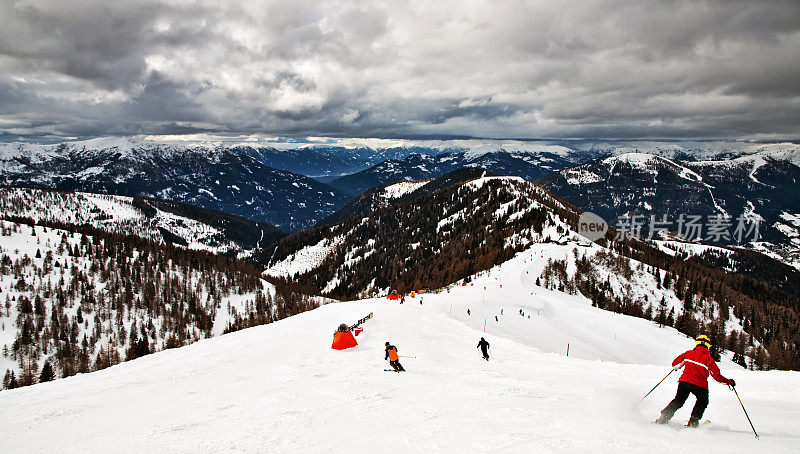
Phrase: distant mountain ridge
{"type": "Point", "coordinates": [326, 162]}
{"type": "Point", "coordinates": [215, 178]}
{"type": "Point", "coordinates": [760, 186]}
{"type": "Point", "coordinates": [522, 163]}
{"type": "Point", "coordinates": [243, 179]}
{"type": "Point", "coordinates": [404, 191]}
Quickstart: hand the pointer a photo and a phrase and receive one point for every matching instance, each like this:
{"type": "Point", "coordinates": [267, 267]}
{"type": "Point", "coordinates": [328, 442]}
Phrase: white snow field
{"type": "Point", "coordinates": [280, 388]}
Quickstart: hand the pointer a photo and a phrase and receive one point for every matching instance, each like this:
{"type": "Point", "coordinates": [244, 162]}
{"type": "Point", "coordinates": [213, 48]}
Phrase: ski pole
{"type": "Point", "coordinates": [656, 386]}
{"type": "Point", "coordinates": [745, 411]}
{"type": "Point", "coordinates": [402, 356]}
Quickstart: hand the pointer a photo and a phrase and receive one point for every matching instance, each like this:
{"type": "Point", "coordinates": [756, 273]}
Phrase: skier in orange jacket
{"type": "Point", "coordinates": [394, 360]}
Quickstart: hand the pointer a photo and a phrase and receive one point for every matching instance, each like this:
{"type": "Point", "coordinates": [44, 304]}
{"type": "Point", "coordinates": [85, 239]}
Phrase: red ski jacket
{"type": "Point", "coordinates": [697, 366]}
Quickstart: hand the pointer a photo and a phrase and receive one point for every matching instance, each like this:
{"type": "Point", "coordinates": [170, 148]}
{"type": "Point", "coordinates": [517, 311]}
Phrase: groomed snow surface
{"type": "Point", "coordinates": [280, 388]}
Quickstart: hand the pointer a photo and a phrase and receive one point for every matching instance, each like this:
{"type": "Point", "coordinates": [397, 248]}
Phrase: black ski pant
{"type": "Point", "coordinates": [397, 366]}
{"type": "Point", "coordinates": [485, 353]}
{"type": "Point", "coordinates": [684, 389]}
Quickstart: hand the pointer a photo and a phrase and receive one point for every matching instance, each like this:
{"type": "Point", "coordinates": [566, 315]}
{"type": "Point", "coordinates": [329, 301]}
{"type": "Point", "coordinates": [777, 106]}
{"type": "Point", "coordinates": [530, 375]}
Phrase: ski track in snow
{"type": "Point", "coordinates": [280, 388]}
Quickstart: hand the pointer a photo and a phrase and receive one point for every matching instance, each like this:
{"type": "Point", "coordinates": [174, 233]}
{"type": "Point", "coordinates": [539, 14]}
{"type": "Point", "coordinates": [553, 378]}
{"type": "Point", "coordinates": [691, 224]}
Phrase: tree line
{"type": "Point", "coordinates": [89, 299]}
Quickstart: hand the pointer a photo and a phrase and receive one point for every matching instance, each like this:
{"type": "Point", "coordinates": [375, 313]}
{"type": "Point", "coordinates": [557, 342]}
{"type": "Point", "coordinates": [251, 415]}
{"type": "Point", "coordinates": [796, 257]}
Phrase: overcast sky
{"type": "Point", "coordinates": [522, 69]}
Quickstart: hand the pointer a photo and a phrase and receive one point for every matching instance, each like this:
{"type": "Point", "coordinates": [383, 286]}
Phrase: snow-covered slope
{"type": "Point", "coordinates": [150, 219]}
{"type": "Point", "coordinates": [75, 300]}
{"type": "Point", "coordinates": [396, 190]}
{"type": "Point", "coordinates": [280, 388]}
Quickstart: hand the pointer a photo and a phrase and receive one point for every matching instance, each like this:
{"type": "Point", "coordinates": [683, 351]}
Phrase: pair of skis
{"type": "Point", "coordinates": [686, 425]}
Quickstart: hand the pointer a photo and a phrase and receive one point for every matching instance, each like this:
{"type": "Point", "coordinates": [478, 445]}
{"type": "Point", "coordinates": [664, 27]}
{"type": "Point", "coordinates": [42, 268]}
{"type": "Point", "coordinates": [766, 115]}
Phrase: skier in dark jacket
{"type": "Point", "coordinates": [394, 359]}
{"type": "Point", "coordinates": [698, 365]}
{"type": "Point", "coordinates": [484, 346]}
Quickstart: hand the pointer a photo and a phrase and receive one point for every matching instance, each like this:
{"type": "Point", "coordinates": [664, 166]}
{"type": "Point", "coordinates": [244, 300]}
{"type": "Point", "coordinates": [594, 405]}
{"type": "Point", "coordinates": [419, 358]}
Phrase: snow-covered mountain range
{"type": "Point", "coordinates": [534, 160]}
{"type": "Point", "coordinates": [528, 164]}
{"type": "Point", "coordinates": [760, 186]}
{"type": "Point", "coordinates": [211, 177]}
{"type": "Point", "coordinates": [323, 163]}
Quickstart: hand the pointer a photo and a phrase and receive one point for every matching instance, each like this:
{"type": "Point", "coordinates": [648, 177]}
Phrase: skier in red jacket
{"type": "Point", "coordinates": [698, 365]}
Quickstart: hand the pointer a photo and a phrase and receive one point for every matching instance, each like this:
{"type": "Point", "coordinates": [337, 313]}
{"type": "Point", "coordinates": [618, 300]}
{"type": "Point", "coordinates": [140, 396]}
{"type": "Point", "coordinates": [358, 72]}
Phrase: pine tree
{"type": "Point", "coordinates": [671, 317]}
{"type": "Point", "coordinates": [47, 373]}
{"type": "Point", "coordinates": [661, 315]}
{"type": "Point", "coordinates": [12, 381]}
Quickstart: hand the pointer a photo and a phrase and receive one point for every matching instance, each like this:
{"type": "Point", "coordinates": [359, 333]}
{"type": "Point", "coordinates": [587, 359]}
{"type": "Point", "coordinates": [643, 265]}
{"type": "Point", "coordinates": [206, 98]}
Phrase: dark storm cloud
{"type": "Point", "coordinates": [163, 99]}
{"type": "Point", "coordinates": [603, 68]}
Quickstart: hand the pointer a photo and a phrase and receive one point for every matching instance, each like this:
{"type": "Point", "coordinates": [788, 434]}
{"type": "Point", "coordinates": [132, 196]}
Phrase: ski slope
{"type": "Point", "coordinates": [280, 388]}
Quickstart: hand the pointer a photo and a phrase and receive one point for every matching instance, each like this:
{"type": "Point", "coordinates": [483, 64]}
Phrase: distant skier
{"type": "Point", "coordinates": [394, 360]}
{"type": "Point", "coordinates": [402, 299]}
{"type": "Point", "coordinates": [468, 313]}
{"type": "Point", "coordinates": [698, 365]}
{"type": "Point", "coordinates": [484, 346]}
